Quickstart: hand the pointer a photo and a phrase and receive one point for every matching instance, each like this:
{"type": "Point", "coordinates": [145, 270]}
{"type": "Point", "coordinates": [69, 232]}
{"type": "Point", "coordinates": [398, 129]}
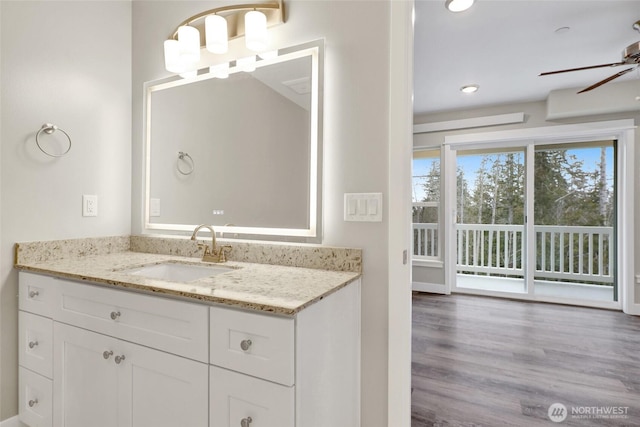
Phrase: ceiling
{"type": "Point", "coordinates": [502, 45]}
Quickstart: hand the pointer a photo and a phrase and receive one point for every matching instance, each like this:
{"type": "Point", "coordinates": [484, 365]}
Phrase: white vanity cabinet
{"type": "Point", "coordinates": [98, 375]}
{"type": "Point", "coordinates": [274, 371]}
{"type": "Point", "coordinates": [103, 381]}
{"type": "Point", "coordinates": [96, 356]}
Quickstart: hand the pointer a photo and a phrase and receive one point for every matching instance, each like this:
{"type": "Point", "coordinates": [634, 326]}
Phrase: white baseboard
{"type": "Point", "coordinates": [433, 288]}
{"type": "Point", "coordinates": [11, 422]}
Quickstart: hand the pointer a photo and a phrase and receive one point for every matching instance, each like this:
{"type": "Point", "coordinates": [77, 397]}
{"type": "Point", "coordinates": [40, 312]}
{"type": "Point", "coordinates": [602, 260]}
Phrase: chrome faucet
{"type": "Point", "coordinates": [213, 254]}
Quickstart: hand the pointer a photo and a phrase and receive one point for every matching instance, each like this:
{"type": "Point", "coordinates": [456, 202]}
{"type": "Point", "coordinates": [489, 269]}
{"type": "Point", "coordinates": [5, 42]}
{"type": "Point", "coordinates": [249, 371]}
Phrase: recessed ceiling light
{"type": "Point", "coordinates": [469, 88]}
{"type": "Point", "coordinates": [458, 5]}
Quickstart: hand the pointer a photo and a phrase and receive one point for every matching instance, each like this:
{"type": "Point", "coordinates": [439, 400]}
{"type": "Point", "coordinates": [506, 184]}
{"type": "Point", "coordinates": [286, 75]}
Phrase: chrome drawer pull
{"type": "Point", "coordinates": [107, 354]}
{"type": "Point", "coordinates": [245, 345]}
{"type": "Point", "coordinates": [115, 315]}
{"type": "Point", "coordinates": [119, 359]}
{"type": "Point", "coordinates": [33, 294]}
{"type": "Point", "coordinates": [33, 344]}
{"type": "Point", "coordinates": [33, 402]}
{"type": "Point", "coordinates": [245, 422]}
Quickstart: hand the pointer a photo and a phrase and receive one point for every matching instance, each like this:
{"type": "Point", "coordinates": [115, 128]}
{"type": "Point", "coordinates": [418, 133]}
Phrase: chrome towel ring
{"type": "Point", "coordinates": [49, 128]}
{"type": "Point", "coordinates": [188, 160]}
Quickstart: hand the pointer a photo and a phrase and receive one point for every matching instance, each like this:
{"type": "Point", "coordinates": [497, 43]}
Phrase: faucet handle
{"type": "Point", "coordinates": [207, 249]}
{"type": "Point", "coordinates": [224, 251]}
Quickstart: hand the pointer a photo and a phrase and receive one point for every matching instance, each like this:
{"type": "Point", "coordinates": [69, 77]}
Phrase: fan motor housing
{"type": "Point", "coordinates": [631, 54]}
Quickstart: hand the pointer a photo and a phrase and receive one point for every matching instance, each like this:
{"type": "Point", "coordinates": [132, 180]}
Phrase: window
{"type": "Point", "coordinates": [426, 204]}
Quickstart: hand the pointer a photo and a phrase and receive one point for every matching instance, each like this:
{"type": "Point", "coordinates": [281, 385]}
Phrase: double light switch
{"type": "Point", "coordinates": [363, 207]}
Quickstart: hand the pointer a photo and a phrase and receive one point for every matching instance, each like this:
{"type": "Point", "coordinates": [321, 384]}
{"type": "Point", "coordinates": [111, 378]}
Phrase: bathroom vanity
{"type": "Point", "coordinates": [253, 345]}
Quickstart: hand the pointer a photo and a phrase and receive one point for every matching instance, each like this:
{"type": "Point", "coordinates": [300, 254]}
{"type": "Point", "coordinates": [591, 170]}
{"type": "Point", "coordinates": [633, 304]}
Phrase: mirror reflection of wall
{"type": "Point", "coordinates": [250, 147]}
{"type": "Point", "coordinates": [250, 142]}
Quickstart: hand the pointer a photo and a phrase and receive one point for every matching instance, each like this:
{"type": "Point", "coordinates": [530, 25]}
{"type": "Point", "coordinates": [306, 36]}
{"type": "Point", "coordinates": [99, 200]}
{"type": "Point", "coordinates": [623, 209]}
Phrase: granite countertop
{"type": "Point", "coordinates": [264, 287]}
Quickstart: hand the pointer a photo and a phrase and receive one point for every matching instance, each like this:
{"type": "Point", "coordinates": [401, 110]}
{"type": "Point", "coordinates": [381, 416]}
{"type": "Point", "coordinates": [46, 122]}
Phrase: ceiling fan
{"type": "Point", "coordinates": [630, 56]}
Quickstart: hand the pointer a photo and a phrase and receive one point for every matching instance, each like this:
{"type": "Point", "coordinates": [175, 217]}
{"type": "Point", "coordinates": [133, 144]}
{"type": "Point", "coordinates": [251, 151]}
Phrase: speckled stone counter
{"type": "Point", "coordinates": [280, 289]}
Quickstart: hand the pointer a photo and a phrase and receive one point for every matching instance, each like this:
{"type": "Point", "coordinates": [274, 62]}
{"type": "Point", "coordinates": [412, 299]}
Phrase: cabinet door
{"type": "Point", "coordinates": [85, 378]}
{"type": "Point", "coordinates": [163, 389]}
{"type": "Point", "coordinates": [35, 399]}
{"type": "Point", "coordinates": [242, 400]}
{"type": "Point", "coordinates": [36, 343]}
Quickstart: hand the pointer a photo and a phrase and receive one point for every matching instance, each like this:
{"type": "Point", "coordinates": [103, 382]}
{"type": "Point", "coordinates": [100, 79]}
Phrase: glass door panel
{"type": "Point", "coordinates": [574, 211]}
{"type": "Point", "coordinates": [490, 223]}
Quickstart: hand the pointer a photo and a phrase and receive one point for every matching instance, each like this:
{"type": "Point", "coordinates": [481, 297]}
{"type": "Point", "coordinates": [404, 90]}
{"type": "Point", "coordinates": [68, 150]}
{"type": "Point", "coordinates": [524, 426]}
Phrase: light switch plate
{"type": "Point", "coordinates": [366, 207]}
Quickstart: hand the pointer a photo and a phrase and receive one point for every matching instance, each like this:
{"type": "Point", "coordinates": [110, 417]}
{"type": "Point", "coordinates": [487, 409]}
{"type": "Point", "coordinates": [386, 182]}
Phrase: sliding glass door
{"type": "Point", "coordinates": [566, 192]}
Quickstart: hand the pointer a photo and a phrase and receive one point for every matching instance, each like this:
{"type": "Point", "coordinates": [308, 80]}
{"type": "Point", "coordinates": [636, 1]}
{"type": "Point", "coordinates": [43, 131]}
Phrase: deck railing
{"type": "Point", "coordinates": [573, 253]}
{"type": "Point", "coordinates": [425, 240]}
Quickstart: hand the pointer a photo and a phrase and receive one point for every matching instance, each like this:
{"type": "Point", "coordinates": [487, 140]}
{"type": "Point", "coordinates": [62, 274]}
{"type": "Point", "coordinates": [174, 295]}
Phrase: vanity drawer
{"type": "Point", "coordinates": [35, 400]}
{"type": "Point", "coordinates": [37, 294]}
{"type": "Point", "coordinates": [253, 343]}
{"type": "Point", "coordinates": [36, 343]}
{"type": "Point", "coordinates": [176, 327]}
{"type": "Point", "coordinates": [236, 397]}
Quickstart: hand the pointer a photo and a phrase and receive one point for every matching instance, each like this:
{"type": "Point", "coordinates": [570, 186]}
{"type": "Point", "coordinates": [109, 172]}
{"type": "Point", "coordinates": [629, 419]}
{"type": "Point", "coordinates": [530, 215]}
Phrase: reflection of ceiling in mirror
{"type": "Point", "coordinates": [291, 79]}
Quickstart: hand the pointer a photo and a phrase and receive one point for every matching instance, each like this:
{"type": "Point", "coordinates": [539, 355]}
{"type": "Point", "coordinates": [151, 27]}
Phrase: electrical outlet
{"type": "Point", "coordinates": [89, 205]}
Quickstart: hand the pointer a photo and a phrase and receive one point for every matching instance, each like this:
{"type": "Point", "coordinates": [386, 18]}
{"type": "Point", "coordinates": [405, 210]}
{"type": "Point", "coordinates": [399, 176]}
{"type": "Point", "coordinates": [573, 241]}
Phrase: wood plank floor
{"type": "Point", "coordinates": [480, 361]}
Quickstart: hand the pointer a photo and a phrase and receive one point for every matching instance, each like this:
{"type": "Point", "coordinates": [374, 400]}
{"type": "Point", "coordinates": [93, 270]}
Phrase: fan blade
{"type": "Point", "coordinates": [614, 64]}
{"type": "Point", "coordinates": [608, 79]}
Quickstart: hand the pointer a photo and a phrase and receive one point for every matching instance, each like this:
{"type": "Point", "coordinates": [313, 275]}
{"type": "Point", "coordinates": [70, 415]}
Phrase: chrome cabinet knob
{"type": "Point", "coordinates": [115, 315]}
{"type": "Point", "coordinates": [33, 294]}
{"type": "Point", "coordinates": [245, 345]}
{"type": "Point", "coordinates": [33, 402]}
{"type": "Point", "coordinates": [33, 344]}
{"type": "Point", "coordinates": [119, 359]}
{"type": "Point", "coordinates": [245, 422]}
{"type": "Point", "coordinates": [107, 354]}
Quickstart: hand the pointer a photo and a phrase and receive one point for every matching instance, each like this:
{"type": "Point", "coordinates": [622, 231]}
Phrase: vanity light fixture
{"type": "Point", "coordinates": [216, 34]}
{"type": "Point", "coordinates": [255, 26]}
{"type": "Point", "coordinates": [469, 88]}
{"type": "Point", "coordinates": [189, 45]}
{"type": "Point", "coordinates": [458, 5]}
{"type": "Point", "coordinates": [218, 26]}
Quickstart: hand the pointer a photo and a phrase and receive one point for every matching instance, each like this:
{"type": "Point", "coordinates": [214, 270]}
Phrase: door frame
{"type": "Point", "coordinates": [398, 206]}
{"type": "Point", "coordinates": [620, 130]}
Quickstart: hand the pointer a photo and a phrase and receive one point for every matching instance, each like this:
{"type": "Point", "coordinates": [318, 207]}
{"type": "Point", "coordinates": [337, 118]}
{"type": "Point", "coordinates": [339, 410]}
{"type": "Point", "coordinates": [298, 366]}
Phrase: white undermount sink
{"type": "Point", "coordinates": [176, 272]}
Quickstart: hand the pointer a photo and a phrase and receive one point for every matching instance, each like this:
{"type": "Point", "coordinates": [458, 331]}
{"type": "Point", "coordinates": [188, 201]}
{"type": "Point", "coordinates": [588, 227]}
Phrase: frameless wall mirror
{"type": "Point", "coordinates": [242, 153]}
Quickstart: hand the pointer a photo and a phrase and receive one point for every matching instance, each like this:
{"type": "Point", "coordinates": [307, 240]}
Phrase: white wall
{"type": "Point", "coordinates": [68, 63]}
{"type": "Point", "coordinates": [356, 140]}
